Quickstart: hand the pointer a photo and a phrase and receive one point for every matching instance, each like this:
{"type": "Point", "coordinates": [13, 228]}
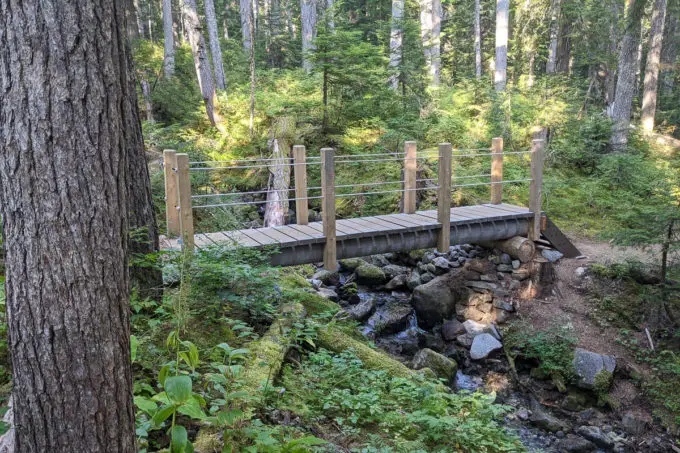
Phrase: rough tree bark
{"type": "Point", "coordinates": [251, 51]}
{"type": "Point", "coordinates": [245, 11]}
{"type": "Point", "coordinates": [478, 39]}
{"type": "Point", "coordinates": [64, 201]}
{"type": "Point", "coordinates": [308, 18]}
{"type": "Point", "coordinates": [501, 70]}
{"type": "Point", "coordinates": [620, 109]}
{"type": "Point", "coordinates": [282, 135]}
{"type": "Point", "coordinates": [551, 65]}
{"type": "Point", "coordinates": [563, 54]}
{"type": "Point", "coordinates": [169, 41]}
{"type": "Point", "coordinates": [430, 33]}
{"type": "Point", "coordinates": [669, 52]}
{"type": "Point", "coordinates": [652, 67]}
{"type": "Point", "coordinates": [201, 62]}
{"type": "Point", "coordinates": [215, 49]}
{"type": "Point", "coordinates": [225, 20]}
{"type": "Point", "coordinates": [396, 42]}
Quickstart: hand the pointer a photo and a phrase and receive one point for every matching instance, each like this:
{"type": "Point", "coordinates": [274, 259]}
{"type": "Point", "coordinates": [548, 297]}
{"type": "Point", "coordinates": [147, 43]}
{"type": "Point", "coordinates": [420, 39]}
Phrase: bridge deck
{"type": "Point", "coordinates": [290, 236]}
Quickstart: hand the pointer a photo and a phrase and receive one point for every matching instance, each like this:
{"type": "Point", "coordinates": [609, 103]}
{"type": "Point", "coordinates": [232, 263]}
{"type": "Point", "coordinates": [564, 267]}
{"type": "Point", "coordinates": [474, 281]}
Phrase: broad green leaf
{"type": "Point", "coordinates": [192, 408]}
{"type": "Point", "coordinates": [178, 388]}
{"type": "Point", "coordinates": [145, 404]}
{"type": "Point", "coordinates": [163, 374]}
{"type": "Point", "coordinates": [162, 415]}
{"type": "Point", "coordinates": [178, 439]}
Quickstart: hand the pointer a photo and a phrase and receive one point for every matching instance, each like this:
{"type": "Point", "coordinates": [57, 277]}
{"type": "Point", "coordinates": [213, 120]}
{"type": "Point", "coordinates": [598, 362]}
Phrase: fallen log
{"type": "Point", "coordinates": [517, 247]}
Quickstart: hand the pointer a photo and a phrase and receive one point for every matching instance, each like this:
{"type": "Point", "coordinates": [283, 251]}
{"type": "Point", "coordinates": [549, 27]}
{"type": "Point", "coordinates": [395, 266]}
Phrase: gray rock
{"type": "Point", "coordinates": [551, 255]}
{"type": "Point", "coordinates": [504, 268]}
{"type": "Point", "coordinates": [392, 270]}
{"type": "Point", "coordinates": [390, 318]}
{"type": "Point", "coordinates": [505, 259]}
{"type": "Point", "coordinates": [481, 285]}
{"type": "Point", "coordinates": [413, 280]}
{"type": "Point", "coordinates": [441, 263]}
{"type": "Point", "coordinates": [523, 414]}
{"type": "Point", "coordinates": [379, 260]}
{"type": "Point", "coordinates": [541, 418]}
{"type": "Point", "coordinates": [451, 329]}
{"type": "Point", "coordinates": [465, 340]}
{"type": "Point", "coordinates": [326, 277]}
{"type": "Point", "coordinates": [483, 345]}
{"type": "Point", "coordinates": [516, 264]}
{"type": "Point", "coordinates": [503, 305]}
{"type": "Point", "coordinates": [475, 328]}
{"type": "Point", "coordinates": [363, 309]}
{"type": "Point", "coordinates": [596, 436]}
{"type": "Point", "coordinates": [370, 274]}
{"type": "Point", "coordinates": [328, 294]}
{"type": "Point", "coordinates": [635, 423]}
{"type": "Point", "coordinates": [580, 272]}
{"type": "Point", "coordinates": [406, 342]}
{"type": "Point", "coordinates": [588, 364]}
{"type": "Point", "coordinates": [426, 277]}
{"type": "Point", "coordinates": [428, 257]}
{"type": "Point", "coordinates": [434, 302]}
{"type": "Point", "coordinates": [432, 269]}
{"type": "Point", "coordinates": [316, 284]}
{"type": "Point", "coordinates": [443, 367]}
{"type": "Point", "coordinates": [575, 444]}
{"type": "Point", "coordinates": [397, 282]}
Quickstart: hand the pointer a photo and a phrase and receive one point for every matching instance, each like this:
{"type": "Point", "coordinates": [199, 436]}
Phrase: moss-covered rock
{"type": "Point", "coordinates": [350, 264]}
{"type": "Point", "coordinates": [369, 274]}
{"type": "Point", "coordinates": [443, 367]}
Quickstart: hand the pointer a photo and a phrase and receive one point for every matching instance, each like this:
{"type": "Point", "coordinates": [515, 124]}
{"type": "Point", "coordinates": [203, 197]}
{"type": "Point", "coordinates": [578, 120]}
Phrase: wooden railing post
{"type": "Point", "coordinates": [300, 169]}
{"type": "Point", "coordinates": [444, 198]}
{"type": "Point", "coordinates": [497, 171]}
{"type": "Point", "coordinates": [410, 167]}
{"type": "Point", "coordinates": [330, 257]}
{"type": "Point", "coordinates": [186, 217]}
{"type": "Point", "coordinates": [171, 203]}
{"type": "Point", "coordinates": [536, 187]}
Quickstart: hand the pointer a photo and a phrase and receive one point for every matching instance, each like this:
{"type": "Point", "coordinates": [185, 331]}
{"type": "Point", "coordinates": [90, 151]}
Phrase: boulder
{"type": "Point", "coordinates": [390, 318]}
{"type": "Point", "coordinates": [483, 345]}
{"type": "Point", "coordinates": [476, 328]}
{"type": "Point", "coordinates": [413, 280]}
{"type": "Point", "coordinates": [451, 329]}
{"type": "Point", "coordinates": [504, 268]}
{"type": "Point", "coordinates": [465, 340]}
{"type": "Point", "coordinates": [503, 305]}
{"type": "Point", "coordinates": [397, 282]}
{"type": "Point", "coordinates": [379, 260]}
{"type": "Point", "coordinates": [441, 264]}
{"type": "Point", "coordinates": [541, 418]}
{"type": "Point", "coordinates": [350, 264]}
{"type": "Point", "coordinates": [363, 309]}
{"type": "Point", "coordinates": [575, 444]}
{"type": "Point", "coordinates": [406, 342]}
{"type": "Point", "coordinates": [329, 294]}
{"type": "Point", "coordinates": [426, 277]}
{"type": "Point", "coordinates": [392, 270]}
{"type": "Point", "coordinates": [551, 255]}
{"type": "Point", "coordinates": [635, 423]}
{"type": "Point", "coordinates": [434, 302]}
{"type": "Point", "coordinates": [471, 313]}
{"type": "Point", "coordinates": [597, 436]}
{"type": "Point", "coordinates": [481, 286]}
{"type": "Point", "coordinates": [588, 365]}
{"type": "Point", "coordinates": [443, 367]}
{"type": "Point", "coordinates": [327, 277]}
{"type": "Point", "coordinates": [369, 274]}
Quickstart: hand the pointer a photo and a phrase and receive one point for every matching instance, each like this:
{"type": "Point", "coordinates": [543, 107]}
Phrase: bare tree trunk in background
{"type": "Point", "coordinates": [551, 65]}
{"type": "Point", "coordinates": [215, 49]}
{"type": "Point", "coordinates": [396, 42]}
{"type": "Point", "coordinates": [330, 15]}
{"type": "Point", "coordinates": [251, 31]}
{"type": "Point", "coordinates": [131, 20]}
{"type": "Point", "coordinates": [169, 41]}
{"type": "Point", "coordinates": [430, 31]}
{"type": "Point", "coordinates": [138, 18]}
{"type": "Point", "coordinates": [610, 77]}
{"type": "Point", "coordinates": [502, 18]}
{"type": "Point", "coordinates": [246, 11]}
{"type": "Point", "coordinates": [308, 18]}
{"type": "Point", "coordinates": [149, 25]}
{"type": "Point", "coordinates": [64, 190]}
{"type": "Point", "coordinates": [478, 40]}
{"type": "Point", "coordinates": [282, 136]}
{"type": "Point", "coordinates": [652, 67]}
{"type": "Point", "coordinates": [225, 21]}
{"type": "Point", "coordinates": [669, 51]}
{"type": "Point", "coordinates": [531, 57]}
{"type": "Point", "coordinates": [563, 55]}
{"type": "Point", "coordinates": [146, 94]}
{"type": "Point", "coordinates": [638, 63]}
{"type": "Point", "coordinates": [201, 62]}
{"type": "Point", "coordinates": [625, 85]}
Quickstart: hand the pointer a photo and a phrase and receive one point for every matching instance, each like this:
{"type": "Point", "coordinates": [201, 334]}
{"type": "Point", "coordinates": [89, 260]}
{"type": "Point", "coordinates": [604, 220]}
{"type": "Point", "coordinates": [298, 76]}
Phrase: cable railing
{"type": "Point", "coordinates": [181, 202]}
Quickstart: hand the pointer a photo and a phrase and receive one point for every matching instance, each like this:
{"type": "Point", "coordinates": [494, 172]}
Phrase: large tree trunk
{"type": "Point", "coordinates": [169, 41]}
{"type": "Point", "coordinates": [669, 52]}
{"type": "Point", "coordinates": [245, 11]}
{"type": "Point", "coordinates": [276, 210]}
{"type": "Point", "coordinates": [64, 200]}
{"type": "Point", "coordinates": [396, 42]}
{"type": "Point", "coordinates": [478, 40]}
{"type": "Point", "coordinates": [625, 85]}
{"type": "Point", "coordinates": [201, 62]}
{"type": "Point", "coordinates": [430, 31]}
{"type": "Point", "coordinates": [652, 68]}
{"type": "Point", "coordinates": [330, 15]}
{"type": "Point", "coordinates": [551, 65]}
{"type": "Point", "coordinates": [563, 54]}
{"type": "Point", "coordinates": [215, 49]}
{"type": "Point", "coordinates": [502, 18]}
{"type": "Point", "coordinates": [308, 18]}
{"type": "Point", "coordinates": [251, 51]}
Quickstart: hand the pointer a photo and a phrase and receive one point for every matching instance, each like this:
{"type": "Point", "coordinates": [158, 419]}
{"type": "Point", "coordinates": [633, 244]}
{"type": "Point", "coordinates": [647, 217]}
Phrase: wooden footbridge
{"type": "Point", "coordinates": [333, 239]}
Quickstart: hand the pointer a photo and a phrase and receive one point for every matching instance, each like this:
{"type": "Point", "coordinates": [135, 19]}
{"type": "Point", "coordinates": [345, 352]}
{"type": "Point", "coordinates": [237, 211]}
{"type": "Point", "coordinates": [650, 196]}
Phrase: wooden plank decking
{"type": "Point", "coordinates": [299, 235]}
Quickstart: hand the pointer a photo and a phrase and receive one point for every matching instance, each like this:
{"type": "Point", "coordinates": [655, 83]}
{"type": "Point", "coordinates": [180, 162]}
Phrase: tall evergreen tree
{"type": "Point", "coordinates": [652, 67]}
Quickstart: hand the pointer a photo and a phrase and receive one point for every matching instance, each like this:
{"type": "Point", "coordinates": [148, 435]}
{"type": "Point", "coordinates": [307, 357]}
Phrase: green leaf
{"type": "Point", "coordinates": [133, 348]}
{"type": "Point", "coordinates": [192, 408]}
{"type": "Point", "coordinates": [178, 388]}
{"type": "Point", "coordinates": [145, 404]}
{"type": "Point", "coordinates": [178, 439]}
{"type": "Point", "coordinates": [162, 415]}
{"type": "Point", "coordinates": [163, 374]}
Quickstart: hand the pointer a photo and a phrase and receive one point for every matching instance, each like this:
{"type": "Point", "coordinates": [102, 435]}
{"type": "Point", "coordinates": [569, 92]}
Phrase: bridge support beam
{"type": "Point", "coordinates": [410, 175]}
{"type": "Point", "coordinates": [444, 198]}
{"type": "Point", "coordinates": [330, 257]}
{"type": "Point", "coordinates": [171, 202]}
{"type": "Point", "coordinates": [497, 171]}
{"type": "Point", "coordinates": [186, 217]}
{"type": "Point", "coordinates": [535, 189]}
{"type": "Point", "coordinates": [300, 170]}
